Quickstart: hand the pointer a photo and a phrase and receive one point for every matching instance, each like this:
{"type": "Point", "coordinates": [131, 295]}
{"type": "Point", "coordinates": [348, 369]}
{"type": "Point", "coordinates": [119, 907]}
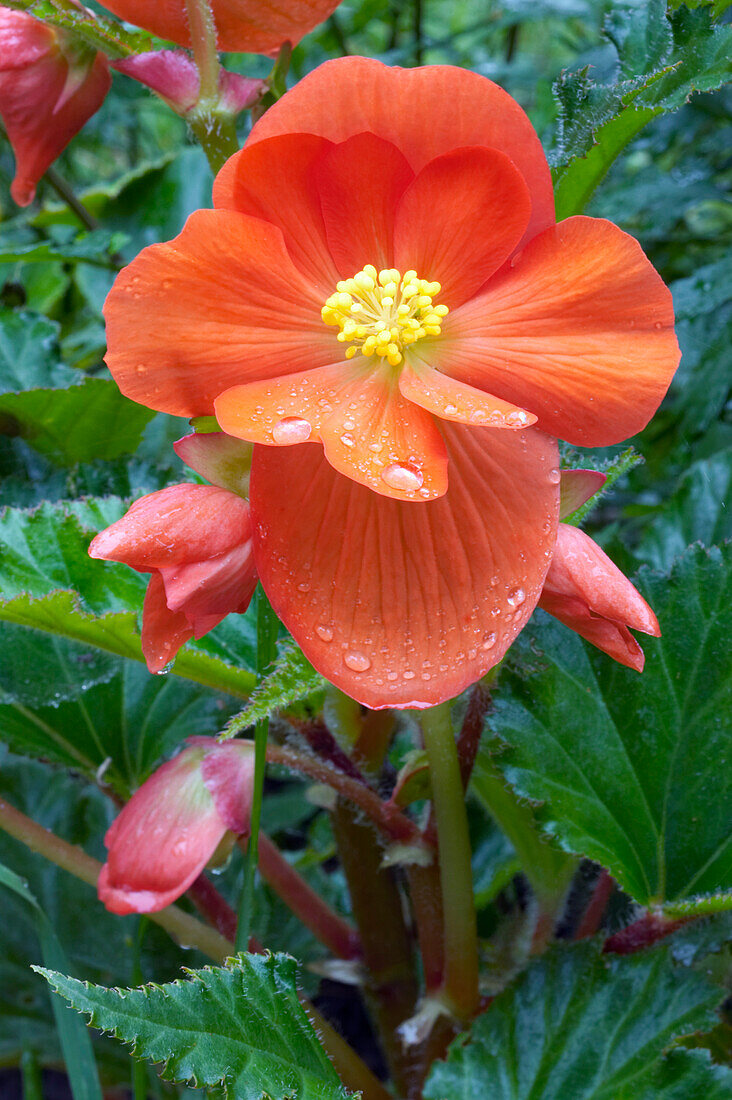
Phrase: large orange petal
{"type": "Point", "coordinates": [578, 329]}
{"type": "Point", "coordinates": [424, 112]}
{"type": "Point", "coordinates": [369, 431]}
{"type": "Point", "coordinates": [451, 400]}
{"type": "Point", "coordinates": [163, 631]}
{"type": "Point", "coordinates": [461, 219]}
{"type": "Point", "coordinates": [360, 182]}
{"type": "Point", "coordinates": [220, 305]}
{"type": "Point", "coordinates": [405, 605]}
{"type": "Point", "coordinates": [252, 26]}
{"type": "Point", "coordinates": [275, 180]}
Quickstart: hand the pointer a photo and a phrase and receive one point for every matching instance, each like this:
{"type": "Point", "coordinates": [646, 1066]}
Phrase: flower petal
{"type": "Point", "coordinates": [576, 488]}
{"type": "Point", "coordinates": [223, 461]}
{"type": "Point", "coordinates": [461, 219]}
{"type": "Point", "coordinates": [370, 432]}
{"type": "Point", "coordinates": [182, 523]}
{"type": "Point", "coordinates": [360, 182]}
{"type": "Point", "coordinates": [228, 772]}
{"type": "Point", "coordinates": [404, 605]}
{"type": "Point", "coordinates": [249, 26]}
{"type": "Point", "coordinates": [206, 591]}
{"type": "Point", "coordinates": [423, 111]}
{"type": "Point", "coordinates": [611, 637]}
{"type": "Point", "coordinates": [579, 330]}
{"type": "Point", "coordinates": [275, 180]}
{"type": "Point", "coordinates": [581, 570]}
{"type": "Point", "coordinates": [162, 839]}
{"type": "Point", "coordinates": [163, 631]}
{"type": "Point", "coordinates": [220, 305]}
{"type": "Point", "coordinates": [452, 400]}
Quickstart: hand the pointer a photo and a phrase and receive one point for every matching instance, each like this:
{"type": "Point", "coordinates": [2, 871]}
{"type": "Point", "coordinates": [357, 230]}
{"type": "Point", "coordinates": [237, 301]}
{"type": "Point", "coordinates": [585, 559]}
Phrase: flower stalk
{"type": "Point", "coordinates": [213, 126]}
{"type": "Point", "coordinates": [460, 982]}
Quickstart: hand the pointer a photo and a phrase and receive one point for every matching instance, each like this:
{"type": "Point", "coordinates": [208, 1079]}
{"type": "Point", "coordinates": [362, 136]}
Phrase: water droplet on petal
{"type": "Point", "coordinates": [489, 641]}
{"type": "Point", "coordinates": [357, 662]}
{"type": "Point", "coordinates": [450, 410]}
{"type": "Point", "coordinates": [402, 476]}
{"type": "Point", "coordinates": [325, 633]}
{"type": "Point", "coordinates": [516, 597]}
{"type": "Point", "coordinates": [292, 429]}
{"type": "Point", "coordinates": [347, 441]}
{"type": "Point", "coordinates": [554, 476]}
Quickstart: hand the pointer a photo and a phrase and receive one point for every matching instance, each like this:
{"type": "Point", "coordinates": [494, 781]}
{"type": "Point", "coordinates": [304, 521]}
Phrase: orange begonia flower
{"type": "Point", "coordinates": [172, 826]}
{"type": "Point", "coordinates": [196, 541]}
{"type": "Point", "coordinates": [382, 279]}
{"type": "Point", "coordinates": [250, 26]}
{"type": "Point", "coordinates": [49, 87]}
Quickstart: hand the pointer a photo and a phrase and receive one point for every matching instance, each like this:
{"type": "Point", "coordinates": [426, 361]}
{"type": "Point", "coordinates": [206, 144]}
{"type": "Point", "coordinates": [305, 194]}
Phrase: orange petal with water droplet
{"type": "Point", "coordinates": [452, 400]}
{"type": "Point", "coordinates": [401, 604]}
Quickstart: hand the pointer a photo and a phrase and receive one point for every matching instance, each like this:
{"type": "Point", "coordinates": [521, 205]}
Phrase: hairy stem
{"type": "Point", "coordinates": [460, 982]}
{"type": "Point", "coordinates": [213, 127]}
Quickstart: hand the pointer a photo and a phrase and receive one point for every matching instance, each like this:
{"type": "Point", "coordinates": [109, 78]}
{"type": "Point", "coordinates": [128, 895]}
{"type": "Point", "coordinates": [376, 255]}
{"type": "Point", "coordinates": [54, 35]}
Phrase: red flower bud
{"type": "Point", "coordinates": [195, 540]}
{"type": "Point", "coordinates": [585, 591]}
{"type": "Point", "coordinates": [49, 87]}
{"type": "Point", "coordinates": [174, 76]}
{"type": "Point", "coordinates": [173, 824]}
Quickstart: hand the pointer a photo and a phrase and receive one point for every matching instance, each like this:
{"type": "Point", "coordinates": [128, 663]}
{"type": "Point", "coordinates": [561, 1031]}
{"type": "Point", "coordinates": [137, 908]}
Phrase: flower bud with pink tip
{"type": "Point", "coordinates": [196, 541]}
{"type": "Point", "coordinates": [172, 826]}
{"type": "Point", "coordinates": [50, 85]}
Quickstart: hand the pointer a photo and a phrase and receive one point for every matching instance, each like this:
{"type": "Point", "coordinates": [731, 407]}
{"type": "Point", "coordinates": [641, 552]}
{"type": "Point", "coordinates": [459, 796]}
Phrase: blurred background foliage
{"type": "Point", "coordinates": [139, 175]}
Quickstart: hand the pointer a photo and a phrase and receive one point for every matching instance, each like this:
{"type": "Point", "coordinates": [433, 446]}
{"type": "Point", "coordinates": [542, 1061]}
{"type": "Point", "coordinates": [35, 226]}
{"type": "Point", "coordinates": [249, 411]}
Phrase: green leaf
{"type": "Point", "coordinates": [684, 1075]}
{"type": "Point", "coordinates": [661, 62]}
{"type": "Point", "coordinates": [75, 1042]}
{"type": "Point", "coordinates": [91, 711]}
{"type": "Point", "coordinates": [48, 581]}
{"type": "Point", "coordinates": [64, 415]}
{"type": "Point", "coordinates": [632, 770]}
{"type": "Point", "coordinates": [92, 248]}
{"type": "Point", "coordinates": [240, 1026]}
{"type": "Point", "coordinates": [577, 1024]}
{"type": "Point", "coordinates": [293, 678]}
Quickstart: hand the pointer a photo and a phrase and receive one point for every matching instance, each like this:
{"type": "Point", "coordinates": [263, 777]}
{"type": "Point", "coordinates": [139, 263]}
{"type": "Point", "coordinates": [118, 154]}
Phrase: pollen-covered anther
{"type": "Point", "coordinates": [383, 312]}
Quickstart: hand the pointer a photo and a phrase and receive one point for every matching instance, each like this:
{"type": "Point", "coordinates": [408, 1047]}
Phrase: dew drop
{"type": "Point", "coordinates": [409, 675]}
{"type": "Point", "coordinates": [325, 633]}
{"type": "Point", "coordinates": [516, 597]}
{"type": "Point", "coordinates": [292, 429]}
{"type": "Point", "coordinates": [303, 587]}
{"type": "Point", "coordinates": [517, 419]}
{"type": "Point", "coordinates": [554, 476]}
{"type": "Point", "coordinates": [141, 368]}
{"type": "Point", "coordinates": [357, 662]}
{"type": "Point", "coordinates": [405, 477]}
{"type": "Point", "coordinates": [347, 441]}
{"type": "Point", "coordinates": [450, 410]}
{"type": "Point", "coordinates": [349, 425]}
{"type": "Point", "coordinates": [489, 641]}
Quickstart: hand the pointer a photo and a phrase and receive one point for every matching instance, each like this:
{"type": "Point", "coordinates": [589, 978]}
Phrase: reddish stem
{"type": "Point", "coordinates": [386, 815]}
{"type": "Point", "coordinates": [651, 928]}
{"type": "Point", "coordinates": [331, 929]}
{"type": "Point", "coordinates": [324, 744]}
{"type": "Point", "coordinates": [593, 914]}
{"type": "Point", "coordinates": [471, 730]}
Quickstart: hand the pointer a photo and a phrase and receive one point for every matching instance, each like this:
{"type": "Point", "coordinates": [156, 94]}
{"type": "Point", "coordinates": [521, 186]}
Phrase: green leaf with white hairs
{"type": "Point", "coordinates": [240, 1026]}
{"type": "Point", "coordinates": [582, 1025]}
{"type": "Point", "coordinates": [291, 680]}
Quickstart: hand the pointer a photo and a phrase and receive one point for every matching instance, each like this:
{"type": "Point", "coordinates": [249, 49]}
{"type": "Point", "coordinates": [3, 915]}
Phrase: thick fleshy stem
{"type": "Point", "coordinates": [330, 928]}
{"type": "Point", "coordinates": [460, 982]}
{"type": "Point", "coordinates": [354, 1073]}
{"type": "Point", "coordinates": [213, 126]}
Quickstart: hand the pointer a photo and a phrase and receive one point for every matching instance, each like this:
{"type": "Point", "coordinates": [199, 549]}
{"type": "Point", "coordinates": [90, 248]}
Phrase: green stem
{"type": "Point", "coordinates": [698, 907]}
{"type": "Point", "coordinates": [456, 875]}
{"type": "Point", "coordinates": [214, 128]}
{"type": "Point", "coordinates": [267, 627]}
{"type": "Point", "coordinates": [31, 1074]}
{"type": "Point", "coordinates": [548, 870]}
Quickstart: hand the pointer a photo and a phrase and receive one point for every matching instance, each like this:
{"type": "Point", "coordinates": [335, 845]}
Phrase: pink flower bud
{"type": "Point", "coordinates": [173, 75]}
{"type": "Point", "coordinates": [585, 591]}
{"type": "Point", "coordinates": [196, 541]}
{"type": "Point", "coordinates": [49, 87]}
{"type": "Point", "coordinates": [173, 824]}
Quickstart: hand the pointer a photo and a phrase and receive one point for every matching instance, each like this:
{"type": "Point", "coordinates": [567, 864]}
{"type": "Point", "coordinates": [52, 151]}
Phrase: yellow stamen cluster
{"type": "Point", "coordinates": [382, 312]}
